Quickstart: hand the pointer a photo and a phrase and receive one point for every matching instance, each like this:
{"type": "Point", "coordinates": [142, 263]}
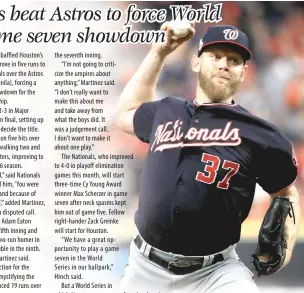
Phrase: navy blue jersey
{"type": "Point", "coordinates": [198, 180]}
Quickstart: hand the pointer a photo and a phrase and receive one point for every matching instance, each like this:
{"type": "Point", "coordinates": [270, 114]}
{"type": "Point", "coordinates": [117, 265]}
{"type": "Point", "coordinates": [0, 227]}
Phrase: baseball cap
{"type": "Point", "coordinates": [228, 35]}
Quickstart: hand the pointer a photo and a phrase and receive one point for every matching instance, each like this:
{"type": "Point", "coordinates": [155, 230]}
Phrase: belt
{"type": "Point", "coordinates": [179, 267]}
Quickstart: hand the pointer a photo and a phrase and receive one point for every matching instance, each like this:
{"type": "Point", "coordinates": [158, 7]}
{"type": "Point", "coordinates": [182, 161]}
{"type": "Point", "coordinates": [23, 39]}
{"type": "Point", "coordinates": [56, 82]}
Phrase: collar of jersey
{"type": "Point", "coordinates": [233, 104]}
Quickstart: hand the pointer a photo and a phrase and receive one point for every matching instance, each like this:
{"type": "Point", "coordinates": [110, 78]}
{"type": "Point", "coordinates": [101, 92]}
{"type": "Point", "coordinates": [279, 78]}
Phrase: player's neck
{"type": "Point", "coordinates": [202, 98]}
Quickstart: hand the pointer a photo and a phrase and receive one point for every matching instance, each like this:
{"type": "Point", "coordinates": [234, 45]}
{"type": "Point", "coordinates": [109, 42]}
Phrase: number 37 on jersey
{"type": "Point", "coordinates": [213, 163]}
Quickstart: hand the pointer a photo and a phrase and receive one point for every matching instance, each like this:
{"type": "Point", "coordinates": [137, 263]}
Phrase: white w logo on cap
{"type": "Point", "coordinates": [201, 43]}
{"type": "Point", "coordinates": [230, 34]}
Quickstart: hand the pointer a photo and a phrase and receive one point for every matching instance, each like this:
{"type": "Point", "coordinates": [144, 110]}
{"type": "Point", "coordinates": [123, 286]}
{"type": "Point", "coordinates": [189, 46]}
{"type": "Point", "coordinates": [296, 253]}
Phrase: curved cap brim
{"type": "Point", "coordinates": [246, 53]}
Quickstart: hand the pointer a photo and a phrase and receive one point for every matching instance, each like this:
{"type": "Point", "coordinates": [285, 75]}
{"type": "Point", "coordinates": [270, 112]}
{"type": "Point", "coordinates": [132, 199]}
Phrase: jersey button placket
{"type": "Point", "coordinates": [184, 151]}
{"type": "Point", "coordinates": [177, 210]}
{"type": "Point", "coordinates": [180, 182]}
{"type": "Point", "coordinates": [196, 120]}
{"type": "Point", "coordinates": [184, 155]}
{"type": "Point", "coordinates": [176, 220]}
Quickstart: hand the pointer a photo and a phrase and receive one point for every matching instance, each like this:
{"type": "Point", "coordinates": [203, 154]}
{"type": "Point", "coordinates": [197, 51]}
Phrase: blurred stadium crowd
{"type": "Point", "coordinates": [274, 85]}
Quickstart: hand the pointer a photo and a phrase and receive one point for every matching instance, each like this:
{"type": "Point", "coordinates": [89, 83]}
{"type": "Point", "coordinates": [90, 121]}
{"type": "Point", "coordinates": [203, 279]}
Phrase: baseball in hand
{"type": "Point", "coordinates": [180, 28]}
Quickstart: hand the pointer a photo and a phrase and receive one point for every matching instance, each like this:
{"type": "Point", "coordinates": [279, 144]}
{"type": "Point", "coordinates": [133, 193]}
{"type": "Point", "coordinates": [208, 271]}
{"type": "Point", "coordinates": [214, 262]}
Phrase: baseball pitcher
{"type": "Point", "coordinates": [198, 181]}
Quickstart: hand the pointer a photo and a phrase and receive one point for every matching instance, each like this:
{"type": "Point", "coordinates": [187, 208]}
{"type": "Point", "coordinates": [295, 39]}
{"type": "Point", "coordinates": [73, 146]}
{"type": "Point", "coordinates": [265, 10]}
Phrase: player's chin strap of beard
{"type": "Point", "coordinates": [271, 242]}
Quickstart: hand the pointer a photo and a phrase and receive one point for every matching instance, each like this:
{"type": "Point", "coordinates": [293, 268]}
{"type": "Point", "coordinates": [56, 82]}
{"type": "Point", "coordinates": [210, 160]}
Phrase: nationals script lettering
{"type": "Point", "coordinates": [170, 135]}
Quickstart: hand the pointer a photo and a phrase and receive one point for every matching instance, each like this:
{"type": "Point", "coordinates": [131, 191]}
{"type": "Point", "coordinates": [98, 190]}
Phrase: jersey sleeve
{"type": "Point", "coordinates": [278, 167]}
{"type": "Point", "coordinates": [143, 120]}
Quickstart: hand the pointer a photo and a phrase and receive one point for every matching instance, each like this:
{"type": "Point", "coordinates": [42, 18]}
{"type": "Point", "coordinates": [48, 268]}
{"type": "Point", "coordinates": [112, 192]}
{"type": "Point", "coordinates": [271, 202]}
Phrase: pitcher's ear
{"type": "Point", "coordinates": [244, 72]}
{"type": "Point", "coordinates": [195, 63]}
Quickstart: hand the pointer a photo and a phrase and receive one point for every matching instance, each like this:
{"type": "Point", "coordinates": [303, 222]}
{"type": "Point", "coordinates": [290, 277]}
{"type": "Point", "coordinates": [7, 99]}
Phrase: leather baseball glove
{"type": "Point", "coordinates": [271, 242]}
